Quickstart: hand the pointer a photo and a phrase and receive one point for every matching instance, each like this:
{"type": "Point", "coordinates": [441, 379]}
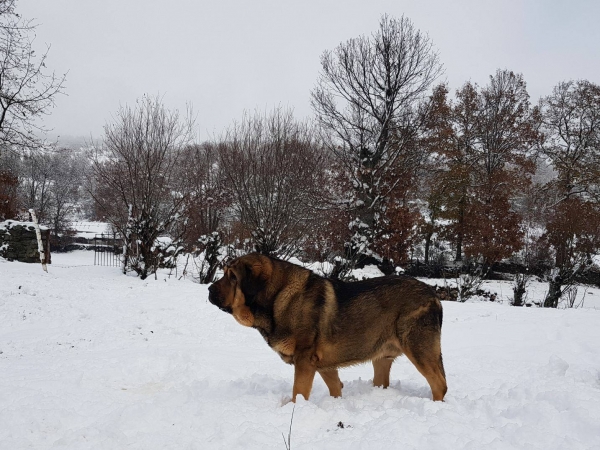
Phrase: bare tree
{"type": "Point", "coordinates": [27, 89]}
{"type": "Point", "coordinates": [64, 192]}
{"type": "Point", "coordinates": [571, 127]}
{"type": "Point", "coordinates": [206, 209]}
{"type": "Point", "coordinates": [51, 179]}
{"type": "Point", "coordinates": [7, 7]}
{"type": "Point", "coordinates": [275, 169]}
{"type": "Point", "coordinates": [37, 170]}
{"type": "Point", "coordinates": [10, 166]}
{"type": "Point", "coordinates": [209, 197]}
{"type": "Point", "coordinates": [141, 182]}
{"type": "Point", "coordinates": [366, 100]}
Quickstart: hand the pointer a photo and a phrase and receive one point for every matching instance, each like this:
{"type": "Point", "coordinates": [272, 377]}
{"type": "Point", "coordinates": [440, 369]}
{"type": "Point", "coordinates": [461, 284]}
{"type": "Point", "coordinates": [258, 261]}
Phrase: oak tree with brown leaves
{"type": "Point", "coordinates": [482, 147]}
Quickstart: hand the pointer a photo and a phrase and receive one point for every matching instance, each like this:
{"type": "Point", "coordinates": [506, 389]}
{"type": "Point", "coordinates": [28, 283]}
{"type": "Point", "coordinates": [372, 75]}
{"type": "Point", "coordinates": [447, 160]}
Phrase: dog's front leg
{"type": "Point", "coordinates": [304, 374]}
{"type": "Point", "coordinates": [332, 380]}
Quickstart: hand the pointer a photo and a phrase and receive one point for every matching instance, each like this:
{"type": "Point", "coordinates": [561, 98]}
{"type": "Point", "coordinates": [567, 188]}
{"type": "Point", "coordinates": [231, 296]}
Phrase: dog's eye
{"type": "Point", "coordinates": [232, 276]}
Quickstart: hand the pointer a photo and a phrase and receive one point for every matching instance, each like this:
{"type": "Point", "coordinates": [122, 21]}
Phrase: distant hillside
{"type": "Point", "coordinates": [74, 142]}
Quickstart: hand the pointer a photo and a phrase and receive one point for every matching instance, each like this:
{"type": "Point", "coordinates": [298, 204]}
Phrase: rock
{"type": "Point", "coordinates": [18, 242]}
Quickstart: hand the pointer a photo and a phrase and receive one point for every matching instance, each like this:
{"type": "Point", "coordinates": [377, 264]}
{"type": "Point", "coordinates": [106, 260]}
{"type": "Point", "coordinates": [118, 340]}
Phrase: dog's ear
{"type": "Point", "coordinates": [257, 271]}
{"type": "Point", "coordinates": [240, 310]}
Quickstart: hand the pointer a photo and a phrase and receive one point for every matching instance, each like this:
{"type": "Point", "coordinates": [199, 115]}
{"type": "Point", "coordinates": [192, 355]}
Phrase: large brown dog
{"type": "Point", "coordinates": [320, 325]}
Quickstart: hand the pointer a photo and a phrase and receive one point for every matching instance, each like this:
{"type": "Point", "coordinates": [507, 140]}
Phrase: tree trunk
{"type": "Point", "coordinates": [459, 239]}
{"type": "Point", "coordinates": [519, 293]}
{"type": "Point", "coordinates": [427, 246]}
{"type": "Point", "coordinates": [461, 224]}
{"type": "Point", "coordinates": [554, 290]}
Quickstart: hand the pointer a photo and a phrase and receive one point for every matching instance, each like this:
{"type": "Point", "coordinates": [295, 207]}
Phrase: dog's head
{"type": "Point", "coordinates": [243, 279]}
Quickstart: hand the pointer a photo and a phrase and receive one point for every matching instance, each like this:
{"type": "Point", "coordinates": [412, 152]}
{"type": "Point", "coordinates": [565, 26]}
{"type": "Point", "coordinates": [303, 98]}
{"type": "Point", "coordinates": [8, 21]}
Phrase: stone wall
{"type": "Point", "coordinates": [18, 242]}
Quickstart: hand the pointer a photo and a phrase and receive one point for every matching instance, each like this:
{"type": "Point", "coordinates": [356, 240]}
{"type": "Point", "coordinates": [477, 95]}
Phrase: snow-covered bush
{"type": "Point", "coordinates": [468, 284]}
{"type": "Point", "coordinates": [520, 282]}
{"type": "Point", "coordinates": [208, 257]}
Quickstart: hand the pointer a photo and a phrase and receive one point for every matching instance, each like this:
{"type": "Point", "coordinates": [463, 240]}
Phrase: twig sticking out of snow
{"type": "Point", "coordinates": [288, 443]}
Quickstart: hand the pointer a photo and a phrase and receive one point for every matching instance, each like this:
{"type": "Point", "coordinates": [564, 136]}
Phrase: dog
{"type": "Point", "coordinates": [321, 325]}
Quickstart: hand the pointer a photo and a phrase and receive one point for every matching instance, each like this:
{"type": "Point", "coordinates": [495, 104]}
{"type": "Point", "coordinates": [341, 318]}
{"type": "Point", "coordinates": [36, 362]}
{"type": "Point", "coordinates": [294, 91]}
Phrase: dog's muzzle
{"type": "Point", "coordinates": [213, 297]}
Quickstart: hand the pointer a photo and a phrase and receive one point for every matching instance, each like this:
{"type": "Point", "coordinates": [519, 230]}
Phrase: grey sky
{"type": "Point", "coordinates": [227, 56]}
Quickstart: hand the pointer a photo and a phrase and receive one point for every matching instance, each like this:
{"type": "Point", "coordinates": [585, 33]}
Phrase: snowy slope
{"type": "Point", "coordinates": [92, 359]}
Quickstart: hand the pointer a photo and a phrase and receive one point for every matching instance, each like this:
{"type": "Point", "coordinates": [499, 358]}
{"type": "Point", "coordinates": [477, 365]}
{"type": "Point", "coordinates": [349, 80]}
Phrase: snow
{"type": "Point", "coordinates": [8, 224]}
{"type": "Point", "coordinates": [369, 271]}
{"type": "Point", "coordinates": [89, 229]}
{"type": "Point", "coordinates": [587, 296]}
{"type": "Point", "coordinates": [92, 359]}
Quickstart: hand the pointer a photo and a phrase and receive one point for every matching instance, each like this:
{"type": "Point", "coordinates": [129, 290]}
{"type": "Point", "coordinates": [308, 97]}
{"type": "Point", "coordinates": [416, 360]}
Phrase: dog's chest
{"type": "Point", "coordinates": [285, 348]}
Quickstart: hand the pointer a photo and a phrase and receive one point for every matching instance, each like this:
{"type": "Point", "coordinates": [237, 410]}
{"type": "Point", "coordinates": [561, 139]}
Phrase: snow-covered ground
{"type": "Point", "coordinates": [92, 359]}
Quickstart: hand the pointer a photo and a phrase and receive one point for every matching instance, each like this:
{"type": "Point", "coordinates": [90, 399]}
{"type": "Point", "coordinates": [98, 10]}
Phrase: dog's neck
{"type": "Point", "coordinates": [263, 321]}
{"type": "Point", "coordinates": [262, 309]}
{"type": "Point", "coordinates": [261, 305]}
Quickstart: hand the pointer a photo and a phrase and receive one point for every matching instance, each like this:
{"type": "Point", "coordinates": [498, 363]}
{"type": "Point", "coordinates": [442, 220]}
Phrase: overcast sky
{"type": "Point", "coordinates": [227, 56]}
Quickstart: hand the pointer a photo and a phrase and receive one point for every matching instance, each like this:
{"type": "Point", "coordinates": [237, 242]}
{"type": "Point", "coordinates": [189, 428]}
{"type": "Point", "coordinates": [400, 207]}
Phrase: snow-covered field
{"type": "Point", "coordinates": [92, 359]}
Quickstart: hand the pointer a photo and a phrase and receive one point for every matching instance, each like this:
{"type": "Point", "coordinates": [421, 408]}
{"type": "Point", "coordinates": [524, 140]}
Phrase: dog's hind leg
{"type": "Point", "coordinates": [381, 375]}
{"type": "Point", "coordinates": [332, 380]}
{"type": "Point", "coordinates": [424, 352]}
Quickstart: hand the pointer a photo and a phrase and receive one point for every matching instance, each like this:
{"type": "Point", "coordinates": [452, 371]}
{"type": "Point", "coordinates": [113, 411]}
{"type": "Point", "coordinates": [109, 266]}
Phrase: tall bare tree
{"type": "Point", "coordinates": [366, 100]}
{"type": "Point", "coordinates": [27, 88]}
{"type": "Point", "coordinates": [275, 169]}
{"type": "Point", "coordinates": [141, 180]}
